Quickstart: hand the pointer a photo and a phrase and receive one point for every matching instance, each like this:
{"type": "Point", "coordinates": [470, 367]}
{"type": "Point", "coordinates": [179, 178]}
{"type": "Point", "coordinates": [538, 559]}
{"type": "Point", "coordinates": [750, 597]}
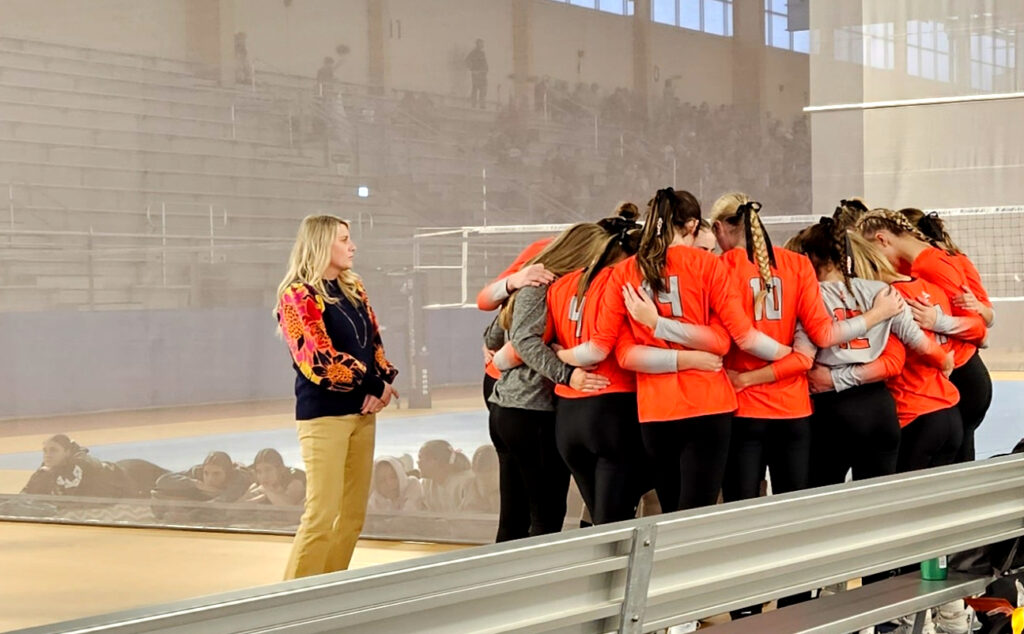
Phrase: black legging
{"type": "Point", "coordinates": [688, 457]}
{"type": "Point", "coordinates": [489, 382]}
{"type": "Point", "coordinates": [599, 438]}
{"type": "Point", "coordinates": [930, 440]}
{"type": "Point", "coordinates": [856, 428]}
{"type": "Point", "coordinates": [534, 481]}
{"type": "Point", "coordinates": [783, 445]}
{"type": "Point", "coordinates": [975, 385]}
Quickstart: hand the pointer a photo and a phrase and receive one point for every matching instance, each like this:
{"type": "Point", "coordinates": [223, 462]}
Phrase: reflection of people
{"type": "Point", "coordinates": [476, 62]}
{"type": "Point", "coordinates": [68, 469]}
{"type": "Point", "coordinates": [275, 484]}
{"type": "Point", "coordinates": [342, 380]}
{"type": "Point", "coordinates": [217, 479]}
{"type": "Point", "coordinates": [482, 494]}
{"type": "Point", "coordinates": [446, 476]}
{"type": "Point", "coordinates": [393, 489]}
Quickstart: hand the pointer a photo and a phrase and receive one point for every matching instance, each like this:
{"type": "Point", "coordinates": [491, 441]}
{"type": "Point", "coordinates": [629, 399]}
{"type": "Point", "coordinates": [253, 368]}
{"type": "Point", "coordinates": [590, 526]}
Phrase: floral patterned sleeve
{"type": "Point", "coordinates": [384, 368]}
{"type": "Point", "coordinates": [300, 313]}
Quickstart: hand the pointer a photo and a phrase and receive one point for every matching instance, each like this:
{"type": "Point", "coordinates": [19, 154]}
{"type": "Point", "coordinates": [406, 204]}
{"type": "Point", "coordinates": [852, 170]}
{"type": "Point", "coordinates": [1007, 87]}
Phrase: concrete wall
{"type": "Point", "coordinates": [296, 38]}
{"type": "Point", "coordinates": [150, 27]}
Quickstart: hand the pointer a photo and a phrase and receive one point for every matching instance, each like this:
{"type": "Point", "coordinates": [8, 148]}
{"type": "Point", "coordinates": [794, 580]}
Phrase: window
{"type": "Point", "coordinates": [710, 16]}
{"type": "Point", "coordinates": [618, 7]}
{"type": "Point", "coordinates": [776, 28]}
{"type": "Point", "coordinates": [928, 50]}
{"type": "Point", "coordinates": [992, 56]}
{"type": "Point", "coordinates": [872, 45]}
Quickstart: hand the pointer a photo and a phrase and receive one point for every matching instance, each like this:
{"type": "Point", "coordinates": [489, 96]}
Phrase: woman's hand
{"type": "Point", "coordinates": [698, 360]}
{"type": "Point", "coordinates": [372, 404]}
{"type": "Point", "coordinates": [819, 379]}
{"type": "Point", "coordinates": [488, 355]}
{"type": "Point", "coordinates": [389, 393]}
{"type": "Point", "coordinates": [968, 301]}
{"type": "Point", "coordinates": [584, 381]}
{"type": "Point", "coordinates": [640, 306]}
{"type": "Point", "coordinates": [888, 302]}
{"type": "Point", "coordinates": [924, 314]}
{"type": "Point", "coordinates": [533, 275]}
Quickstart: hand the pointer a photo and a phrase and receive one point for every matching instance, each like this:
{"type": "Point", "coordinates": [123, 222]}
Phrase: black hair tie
{"type": "Point", "coordinates": [746, 212]}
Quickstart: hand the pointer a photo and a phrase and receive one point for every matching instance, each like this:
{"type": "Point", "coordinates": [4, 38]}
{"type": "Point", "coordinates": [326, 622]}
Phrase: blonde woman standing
{"type": "Point", "coordinates": [342, 380]}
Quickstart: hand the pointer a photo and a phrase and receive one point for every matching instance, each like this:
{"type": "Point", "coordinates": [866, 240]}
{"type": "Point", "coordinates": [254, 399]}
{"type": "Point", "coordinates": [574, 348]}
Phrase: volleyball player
{"type": "Point", "coordinates": [971, 375]}
{"type": "Point", "coordinates": [931, 429]}
{"type": "Point", "coordinates": [778, 289]}
{"type": "Point", "coordinates": [491, 297]}
{"type": "Point", "coordinates": [684, 414]}
{"type": "Point", "coordinates": [533, 479]}
{"type": "Point", "coordinates": [854, 424]}
{"type": "Point", "coordinates": [597, 432]}
{"type": "Point", "coordinates": [909, 251]}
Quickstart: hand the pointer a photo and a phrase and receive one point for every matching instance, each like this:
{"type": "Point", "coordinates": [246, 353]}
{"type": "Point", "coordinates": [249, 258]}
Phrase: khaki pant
{"type": "Point", "coordinates": [338, 453]}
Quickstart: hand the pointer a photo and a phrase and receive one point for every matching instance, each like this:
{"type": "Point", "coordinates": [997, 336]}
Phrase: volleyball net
{"type": "Point", "coordinates": [457, 262]}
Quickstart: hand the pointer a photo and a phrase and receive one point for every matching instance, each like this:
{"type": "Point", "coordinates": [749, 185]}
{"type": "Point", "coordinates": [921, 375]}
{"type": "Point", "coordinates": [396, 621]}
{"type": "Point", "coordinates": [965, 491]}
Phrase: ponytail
{"type": "Point", "coordinates": [624, 242]}
{"type": "Point", "coordinates": [759, 249]}
{"type": "Point", "coordinates": [669, 211]}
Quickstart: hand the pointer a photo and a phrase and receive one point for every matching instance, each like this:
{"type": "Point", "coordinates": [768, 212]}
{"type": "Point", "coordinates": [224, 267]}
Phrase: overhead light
{"type": "Point", "coordinates": [363, 191]}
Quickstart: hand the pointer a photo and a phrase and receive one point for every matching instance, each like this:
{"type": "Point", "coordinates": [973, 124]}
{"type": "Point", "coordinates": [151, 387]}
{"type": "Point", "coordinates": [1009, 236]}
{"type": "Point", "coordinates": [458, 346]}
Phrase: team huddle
{"type": "Point", "coordinates": [633, 357]}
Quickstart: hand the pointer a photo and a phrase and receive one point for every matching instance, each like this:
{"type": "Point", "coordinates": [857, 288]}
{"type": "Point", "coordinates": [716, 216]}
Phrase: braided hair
{"type": "Point", "coordinates": [735, 209]}
{"type": "Point", "coordinates": [669, 211]}
{"type": "Point", "coordinates": [891, 221]}
{"type": "Point", "coordinates": [825, 244]}
{"type": "Point", "coordinates": [932, 226]}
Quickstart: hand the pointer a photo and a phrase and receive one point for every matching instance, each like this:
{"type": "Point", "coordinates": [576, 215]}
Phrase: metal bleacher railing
{"type": "Point", "coordinates": [644, 575]}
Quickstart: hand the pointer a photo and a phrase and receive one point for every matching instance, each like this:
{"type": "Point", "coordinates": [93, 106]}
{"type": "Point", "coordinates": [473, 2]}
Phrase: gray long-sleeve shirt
{"type": "Point", "coordinates": [844, 359]}
{"type": "Point", "coordinates": [530, 385]}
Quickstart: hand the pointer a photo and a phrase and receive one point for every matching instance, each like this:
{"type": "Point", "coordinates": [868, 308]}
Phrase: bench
{"type": "Point", "coordinates": [862, 607]}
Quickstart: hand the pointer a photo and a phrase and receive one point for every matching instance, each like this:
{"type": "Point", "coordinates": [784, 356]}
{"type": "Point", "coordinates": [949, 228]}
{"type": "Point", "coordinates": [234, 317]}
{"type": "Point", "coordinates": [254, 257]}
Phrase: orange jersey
{"type": "Point", "coordinates": [921, 388]}
{"type": "Point", "coordinates": [575, 323]}
{"type": "Point", "coordinates": [525, 256]}
{"type": "Point", "coordinates": [937, 267]}
{"type": "Point", "coordinates": [795, 296]}
{"type": "Point", "coordinates": [970, 273]}
{"type": "Point", "coordinates": [697, 287]}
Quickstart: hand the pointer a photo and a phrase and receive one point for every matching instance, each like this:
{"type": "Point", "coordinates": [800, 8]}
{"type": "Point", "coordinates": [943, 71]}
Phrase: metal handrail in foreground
{"type": "Point", "coordinates": [635, 576]}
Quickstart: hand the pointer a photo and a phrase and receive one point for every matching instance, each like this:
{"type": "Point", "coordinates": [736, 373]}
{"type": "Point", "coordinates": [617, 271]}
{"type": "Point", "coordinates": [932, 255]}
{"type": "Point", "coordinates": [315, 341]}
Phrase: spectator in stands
{"type": "Point", "coordinates": [275, 484]}
{"type": "Point", "coordinates": [242, 69]}
{"type": "Point", "coordinates": [67, 469]}
{"type": "Point", "coordinates": [325, 87]}
{"type": "Point", "coordinates": [476, 62]}
{"type": "Point", "coordinates": [540, 93]}
{"type": "Point", "coordinates": [446, 474]}
{"type": "Point", "coordinates": [482, 495]}
{"type": "Point", "coordinates": [217, 479]}
{"type": "Point", "coordinates": [393, 488]}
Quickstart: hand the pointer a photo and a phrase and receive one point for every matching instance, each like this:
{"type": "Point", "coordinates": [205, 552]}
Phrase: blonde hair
{"type": "Point", "coordinates": [888, 220]}
{"type": "Point", "coordinates": [310, 257]}
{"type": "Point", "coordinates": [868, 261]}
{"type": "Point", "coordinates": [735, 208]}
{"type": "Point", "coordinates": [573, 249]}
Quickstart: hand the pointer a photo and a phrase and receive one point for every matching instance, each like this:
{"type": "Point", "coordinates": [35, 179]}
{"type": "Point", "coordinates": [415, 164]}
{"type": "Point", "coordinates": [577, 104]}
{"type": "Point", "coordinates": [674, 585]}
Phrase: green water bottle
{"type": "Point", "coordinates": [934, 569]}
